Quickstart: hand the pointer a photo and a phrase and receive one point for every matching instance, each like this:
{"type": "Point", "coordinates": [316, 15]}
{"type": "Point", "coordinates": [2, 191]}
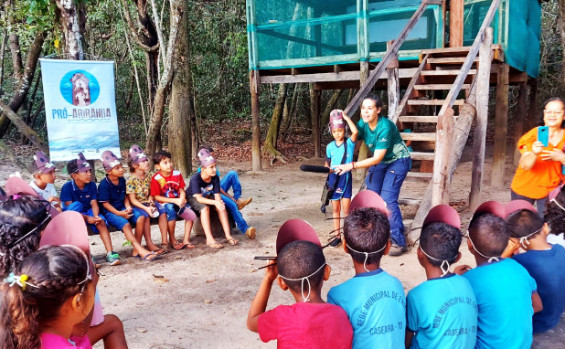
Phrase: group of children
{"type": "Point", "coordinates": [128, 205]}
{"type": "Point", "coordinates": [500, 303]}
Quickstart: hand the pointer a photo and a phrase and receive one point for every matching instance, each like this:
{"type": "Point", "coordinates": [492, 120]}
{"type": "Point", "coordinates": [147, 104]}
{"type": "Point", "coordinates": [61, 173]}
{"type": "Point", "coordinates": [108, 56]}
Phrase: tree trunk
{"type": "Point", "coordinates": [330, 106]}
{"type": "Point", "coordinates": [2, 50]}
{"type": "Point", "coordinates": [16, 56]}
{"type": "Point", "coordinates": [181, 110]}
{"type": "Point", "coordinates": [24, 83]}
{"type": "Point", "coordinates": [71, 25]}
{"type": "Point", "coordinates": [23, 127]}
{"type": "Point", "coordinates": [272, 134]}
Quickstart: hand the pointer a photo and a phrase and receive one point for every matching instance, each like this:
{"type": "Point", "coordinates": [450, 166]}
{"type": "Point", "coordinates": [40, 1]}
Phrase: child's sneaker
{"type": "Point", "coordinates": [250, 232]}
{"type": "Point", "coordinates": [241, 203]}
{"type": "Point", "coordinates": [113, 258]}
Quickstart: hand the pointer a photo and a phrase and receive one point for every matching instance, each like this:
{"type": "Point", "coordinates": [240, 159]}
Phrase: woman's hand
{"type": "Point", "coordinates": [553, 155]}
{"type": "Point", "coordinates": [537, 147]}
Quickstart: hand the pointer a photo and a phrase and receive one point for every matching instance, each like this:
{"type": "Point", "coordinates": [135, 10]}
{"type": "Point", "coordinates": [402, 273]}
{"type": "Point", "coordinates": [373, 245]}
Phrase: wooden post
{"type": "Point", "coordinates": [255, 126]}
{"type": "Point", "coordinates": [519, 117]}
{"type": "Point", "coordinates": [440, 184]}
{"type": "Point", "coordinates": [500, 128]}
{"type": "Point", "coordinates": [315, 111]}
{"type": "Point", "coordinates": [483, 82]}
{"type": "Point", "coordinates": [533, 116]}
{"type": "Point", "coordinates": [456, 10]}
{"type": "Point", "coordinates": [393, 84]}
{"type": "Point", "coordinates": [363, 150]}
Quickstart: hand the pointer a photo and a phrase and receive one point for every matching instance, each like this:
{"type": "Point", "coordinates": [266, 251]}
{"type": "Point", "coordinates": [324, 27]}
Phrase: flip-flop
{"type": "Point", "coordinates": [165, 247]}
{"type": "Point", "coordinates": [148, 258]}
{"type": "Point", "coordinates": [188, 246]}
{"type": "Point", "coordinates": [232, 242]}
{"type": "Point", "coordinates": [215, 245]}
{"type": "Point", "coordinates": [159, 252]}
{"type": "Point", "coordinates": [177, 246]}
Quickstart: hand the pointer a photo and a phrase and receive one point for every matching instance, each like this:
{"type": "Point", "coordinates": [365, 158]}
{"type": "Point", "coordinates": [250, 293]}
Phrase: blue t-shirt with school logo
{"type": "Point", "coordinates": [443, 313]}
{"type": "Point", "coordinates": [504, 298]}
{"type": "Point", "coordinates": [376, 307]}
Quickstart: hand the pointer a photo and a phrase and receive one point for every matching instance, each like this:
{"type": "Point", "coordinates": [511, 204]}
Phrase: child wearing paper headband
{"type": "Point", "coordinates": [339, 152]}
{"type": "Point", "coordinates": [310, 322]}
{"type": "Point", "coordinates": [47, 295]}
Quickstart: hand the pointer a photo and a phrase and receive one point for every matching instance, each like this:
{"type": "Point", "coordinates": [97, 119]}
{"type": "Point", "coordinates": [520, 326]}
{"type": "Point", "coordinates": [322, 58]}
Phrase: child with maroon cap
{"type": "Point", "coordinates": [80, 195]}
{"type": "Point", "coordinates": [43, 179]}
{"type": "Point", "coordinates": [544, 262]}
{"type": "Point", "coordinates": [117, 208]}
{"type": "Point", "coordinates": [442, 311]}
{"type": "Point", "coordinates": [506, 294]}
{"type": "Point", "coordinates": [204, 192]}
{"type": "Point", "coordinates": [340, 152]}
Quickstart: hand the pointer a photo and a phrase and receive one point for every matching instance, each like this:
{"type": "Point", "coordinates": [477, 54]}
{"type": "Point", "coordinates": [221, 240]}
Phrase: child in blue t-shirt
{"type": "Point", "coordinates": [338, 152]}
{"type": "Point", "coordinates": [544, 262]}
{"type": "Point", "coordinates": [441, 312]}
{"type": "Point", "coordinates": [506, 294]}
{"type": "Point", "coordinates": [80, 195]}
{"type": "Point", "coordinates": [117, 208]}
{"type": "Point", "coordinates": [373, 300]}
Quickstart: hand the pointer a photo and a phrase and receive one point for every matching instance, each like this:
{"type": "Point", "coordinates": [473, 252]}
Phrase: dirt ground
{"type": "Point", "coordinates": [200, 298]}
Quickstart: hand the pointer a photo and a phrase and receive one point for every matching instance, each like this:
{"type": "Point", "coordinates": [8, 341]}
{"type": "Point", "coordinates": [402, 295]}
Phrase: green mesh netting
{"type": "Point", "coordinates": [287, 34]}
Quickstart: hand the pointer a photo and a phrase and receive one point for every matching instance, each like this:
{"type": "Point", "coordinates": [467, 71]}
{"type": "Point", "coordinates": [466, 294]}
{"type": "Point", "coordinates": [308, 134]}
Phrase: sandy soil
{"type": "Point", "coordinates": [200, 298]}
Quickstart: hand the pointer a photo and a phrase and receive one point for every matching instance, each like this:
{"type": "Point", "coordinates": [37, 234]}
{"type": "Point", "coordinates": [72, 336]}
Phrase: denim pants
{"type": "Point", "coordinates": [386, 180]}
{"type": "Point", "coordinates": [231, 180]}
{"type": "Point", "coordinates": [540, 203]}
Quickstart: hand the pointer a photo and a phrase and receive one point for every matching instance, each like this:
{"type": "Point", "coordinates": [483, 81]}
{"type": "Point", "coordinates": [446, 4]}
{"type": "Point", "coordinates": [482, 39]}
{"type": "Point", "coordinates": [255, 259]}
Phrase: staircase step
{"type": "Point", "coordinates": [422, 155]}
{"type": "Point", "coordinates": [448, 60]}
{"type": "Point", "coordinates": [418, 118]}
{"type": "Point", "coordinates": [440, 72]}
{"type": "Point", "coordinates": [419, 177]}
{"type": "Point", "coordinates": [440, 87]}
{"type": "Point", "coordinates": [433, 102]}
{"type": "Point", "coordinates": [418, 136]}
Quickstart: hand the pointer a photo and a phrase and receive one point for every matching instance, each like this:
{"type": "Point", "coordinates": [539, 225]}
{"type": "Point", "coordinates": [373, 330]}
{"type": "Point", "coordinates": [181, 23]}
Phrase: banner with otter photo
{"type": "Point", "coordinates": [80, 108]}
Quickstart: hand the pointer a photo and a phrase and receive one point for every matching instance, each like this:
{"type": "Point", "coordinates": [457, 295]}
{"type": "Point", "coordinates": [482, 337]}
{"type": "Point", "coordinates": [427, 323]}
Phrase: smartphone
{"type": "Point", "coordinates": [543, 135]}
{"type": "Point", "coordinates": [266, 258]}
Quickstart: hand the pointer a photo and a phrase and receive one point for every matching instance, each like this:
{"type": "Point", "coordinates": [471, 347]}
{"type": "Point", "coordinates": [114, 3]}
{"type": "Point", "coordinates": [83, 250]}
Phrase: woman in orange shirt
{"type": "Point", "coordinates": [539, 170]}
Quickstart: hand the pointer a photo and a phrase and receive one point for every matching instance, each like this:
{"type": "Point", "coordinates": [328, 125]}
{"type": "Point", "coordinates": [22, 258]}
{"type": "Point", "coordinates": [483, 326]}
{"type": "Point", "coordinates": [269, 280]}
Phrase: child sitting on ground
{"type": "Point", "coordinates": [505, 292]}
{"type": "Point", "coordinates": [233, 203]}
{"type": "Point", "coordinates": [441, 312]}
{"type": "Point", "coordinates": [167, 187]}
{"type": "Point", "coordinates": [203, 192]}
{"type": "Point", "coordinates": [138, 187]}
{"type": "Point", "coordinates": [43, 179]}
{"type": "Point", "coordinates": [80, 195]}
{"type": "Point", "coordinates": [310, 322]}
{"type": "Point", "coordinates": [47, 295]}
{"type": "Point", "coordinates": [544, 262]}
{"type": "Point", "coordinates": [339, 152]}
{"type": "Point", "coordinates": [117, 208]}
{"type": "Point", "coordinates": [373, 299]}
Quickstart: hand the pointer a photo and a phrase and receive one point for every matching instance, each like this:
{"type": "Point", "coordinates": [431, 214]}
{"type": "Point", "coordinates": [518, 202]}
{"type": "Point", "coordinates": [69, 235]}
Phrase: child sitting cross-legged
{"type": "Point", "coordinates": [442, 311]}
{"type": "Point", "coordinates": [544, 262]}
{"type": "Point", "coordinates": [49, 293]}
{"type": "Point", "coordinates": [506, 294]}
{"type": "Point", "coordinates": [373, 299]}
{"type": "Point", "coordinates": [167, 187]}
{"type": "Point", "coordinates": [43, 179]}
{"type": "Point", "coordinates": [80, 195]}
{"type": "Point", "coordinates": [310, 322]}
{"type": "Point", "coordinates": [203, 193]}
{"type": "Point", "coordinates": [117, 208]}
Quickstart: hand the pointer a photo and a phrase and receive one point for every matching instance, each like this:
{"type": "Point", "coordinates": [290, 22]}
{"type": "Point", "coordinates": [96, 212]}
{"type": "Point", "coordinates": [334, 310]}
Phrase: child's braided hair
{"type": "Point", "coordinates": [36, 291]}
{"type": "Point", "coordinates": [18, 216]}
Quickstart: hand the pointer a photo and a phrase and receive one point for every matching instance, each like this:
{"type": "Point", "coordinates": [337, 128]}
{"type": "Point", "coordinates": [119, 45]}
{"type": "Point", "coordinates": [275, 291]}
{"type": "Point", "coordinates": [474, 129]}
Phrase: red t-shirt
{"type": "Point", "coordinates": [169, 187]}
{"type": "Point", "coordinates": [306, 325]}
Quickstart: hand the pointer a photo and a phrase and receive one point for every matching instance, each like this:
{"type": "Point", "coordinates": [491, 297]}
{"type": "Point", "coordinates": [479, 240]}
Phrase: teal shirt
{"type": "Point", "coordinates": [384, 136]}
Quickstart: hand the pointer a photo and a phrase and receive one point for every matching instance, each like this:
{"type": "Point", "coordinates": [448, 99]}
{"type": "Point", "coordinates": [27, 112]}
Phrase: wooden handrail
{"type": "Point", "coordinates": [409, 89]}
{"type": "Point", "coordinates": [389, 55]}
{"type": "Point", "coordinates": [468, 63]}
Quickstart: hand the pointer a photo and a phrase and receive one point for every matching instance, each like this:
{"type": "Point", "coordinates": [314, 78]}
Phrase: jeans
{"type": "Point", "coordinates": [386, 180]}
{"type": "Point", "coordinates": [231, 180]}
{"type": "Point", "coordinates": [119, 222]}
{"type": "Point", "coordinates": [540, 203]}
{"type": "Point", "coordinates": [231, 206]}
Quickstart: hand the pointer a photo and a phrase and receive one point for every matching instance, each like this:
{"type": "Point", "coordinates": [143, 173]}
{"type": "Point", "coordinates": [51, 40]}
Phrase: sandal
{"type": "Point", "coordinates": [215, 245]}
{"type": "Point", "coordinates": [188, 245]}
{"type": "Point", "coordinates": [232, 241]}
{"type": "Point", "coordinates": [159, 251]}
{"type": "Point", "coordinates": [177, 246]}
{"type": "Point", "coordinates": [165, 247]}
{"type": "Point", "coordinates": [150, 257]}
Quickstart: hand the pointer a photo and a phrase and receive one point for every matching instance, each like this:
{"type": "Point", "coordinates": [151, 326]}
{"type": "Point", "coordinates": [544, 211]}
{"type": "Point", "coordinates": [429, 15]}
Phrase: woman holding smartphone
{"type": "Point", "coordinates": [540, 167]}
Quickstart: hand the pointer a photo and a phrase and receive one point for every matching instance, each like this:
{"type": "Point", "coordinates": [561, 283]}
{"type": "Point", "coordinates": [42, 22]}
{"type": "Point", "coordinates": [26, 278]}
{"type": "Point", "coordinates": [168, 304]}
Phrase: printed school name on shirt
{"type": "Point", "coordinates": [371, 301]}
{"type": "Point", "coordinates": [443, 310]}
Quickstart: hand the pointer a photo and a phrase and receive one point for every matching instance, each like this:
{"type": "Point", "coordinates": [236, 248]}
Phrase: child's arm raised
{"type": "Point", "coordinates": [259, 303]}
{"type": "Point", "coordinates": [352, 127]}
